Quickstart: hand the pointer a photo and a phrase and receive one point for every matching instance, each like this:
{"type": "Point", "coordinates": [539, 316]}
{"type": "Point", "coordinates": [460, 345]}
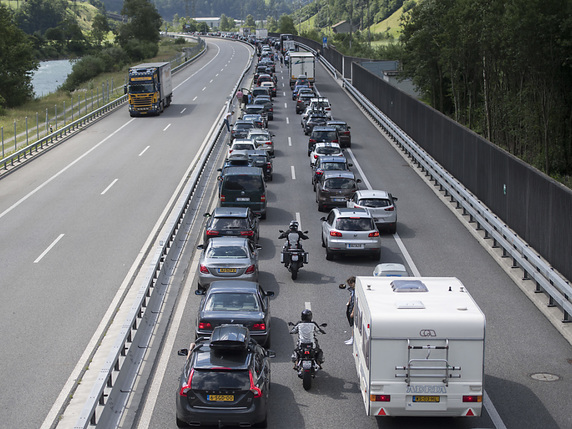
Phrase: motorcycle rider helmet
{"type": "Point", "coordinates": [293, 226]}
{"type": "Point", "coordinates": [306, 316]}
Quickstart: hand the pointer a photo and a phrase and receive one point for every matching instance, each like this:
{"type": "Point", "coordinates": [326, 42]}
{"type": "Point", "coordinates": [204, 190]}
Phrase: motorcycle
{"type": "Point", "coordinates": [305, 362]}
{"type": "Point", "coordinates": [293, 255]}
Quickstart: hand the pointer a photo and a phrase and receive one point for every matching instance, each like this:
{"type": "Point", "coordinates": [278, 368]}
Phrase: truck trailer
{"type": "Point", "coordinates": [302, 64]}
{"type": "Point", "coordinates": [150, 89]}
{"type": "Point", "coordinates": [418, 347]}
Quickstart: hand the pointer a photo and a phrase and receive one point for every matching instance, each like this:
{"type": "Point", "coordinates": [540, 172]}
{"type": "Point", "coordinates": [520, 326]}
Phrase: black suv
{"type": "Point", "coordinates": [225, 380]}
{"type": "Point", "coordinates": [231, 221]}
{"type": "Point", "coordinates": [321, 134]}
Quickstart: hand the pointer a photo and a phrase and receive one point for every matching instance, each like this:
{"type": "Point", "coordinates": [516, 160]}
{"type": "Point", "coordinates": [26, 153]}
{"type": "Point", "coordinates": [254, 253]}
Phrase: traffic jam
{"type": "Point", "coordinates": [226, 375]}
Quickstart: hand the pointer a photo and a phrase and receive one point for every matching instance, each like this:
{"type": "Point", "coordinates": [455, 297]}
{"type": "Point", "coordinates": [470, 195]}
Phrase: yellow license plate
{"type": "Point", "coordinates": [426, 399]}
{"type": "Point", "coordinates": [227, 270]}
{"type": "Point", "coordinates": [220, 398]}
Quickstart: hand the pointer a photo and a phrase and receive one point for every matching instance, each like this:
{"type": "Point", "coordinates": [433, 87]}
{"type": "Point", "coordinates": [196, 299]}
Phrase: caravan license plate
{"type": "Point", "coordinates": [426, 399]}
{"type": "Point", "coordinates": [220, 398]}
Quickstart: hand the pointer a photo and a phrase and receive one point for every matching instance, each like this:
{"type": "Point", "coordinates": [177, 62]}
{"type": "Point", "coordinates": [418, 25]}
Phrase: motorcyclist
{"type": "Point", "coordinates": [296, 234]}
{"type": "Point", "coordinates": [307, 330]}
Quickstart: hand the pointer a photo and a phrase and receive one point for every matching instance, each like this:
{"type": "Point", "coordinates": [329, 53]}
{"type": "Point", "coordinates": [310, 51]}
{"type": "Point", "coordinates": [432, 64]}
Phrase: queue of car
{"type": "Point", "coordinates": [226, 377]}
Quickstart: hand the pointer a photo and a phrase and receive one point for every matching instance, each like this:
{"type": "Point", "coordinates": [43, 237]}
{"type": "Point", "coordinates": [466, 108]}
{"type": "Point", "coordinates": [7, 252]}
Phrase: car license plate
{"type": "Point", "coordinates": [220, 398]}
{"type": "Point", "coordinates": [243, 199]}
{"type": "Point", "coordinates": [355, 246]}
{"type": "Point", "coordinates": [294, 257]}
{"type": "Point", "coordinates": [338, 200]}
{"type": "Point", "coordinates": [426, 399]}
{"type": "Point", "coordinates": [227, 270]}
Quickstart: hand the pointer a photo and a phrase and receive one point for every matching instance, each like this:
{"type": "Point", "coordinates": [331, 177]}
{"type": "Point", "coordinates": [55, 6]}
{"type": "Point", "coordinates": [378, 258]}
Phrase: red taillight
{"type": "Point", "coordinates": [222, 199]}
{"type": "Point", "coordinates": [212, 233]}
{"type": "Point", "coordinates": [315, 156]}
{"type": "Point", "coordinates": [247, 233]}
{"type": "Point", "coordinates": [379, 398]}
{"type": "Point", "coordinates": [389, 209]}
{"type": "Point", "coordinates": [312, 140]}
{"type": "Point", "coordinates": [186, 387]}
{"type": "Point", "coordinates": [204, 269]}
{"type": "Point", "coordinates": [268, 165]}
{"type": "Point", "coordinates": [250, 270]}
{"type": "Point", "coordinates": [472, 398]}
{"type": "Point", "coordinates": [259, 327]}
{"type": "Point", "coordinates": [205, 326]}
{"type": "Point", "coordinates": [319, 172]}
{"type": "Point", "coordinates": [263, 198]}
{"type": "Point", "coordinates": [257, 392]}
{"type": "Point", "coordinates": [374, 234]}
{"type": "Point", "coordinates": [335, 141]}
{"type": "Point", "coordinates": [335, 234]}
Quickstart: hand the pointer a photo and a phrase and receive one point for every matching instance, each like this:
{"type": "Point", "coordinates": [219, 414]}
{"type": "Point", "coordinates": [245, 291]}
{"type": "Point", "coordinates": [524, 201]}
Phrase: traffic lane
{"type": "Point", "coordinates": [440, 245]}
{"type": "Point", "coordinates": [83, 285]}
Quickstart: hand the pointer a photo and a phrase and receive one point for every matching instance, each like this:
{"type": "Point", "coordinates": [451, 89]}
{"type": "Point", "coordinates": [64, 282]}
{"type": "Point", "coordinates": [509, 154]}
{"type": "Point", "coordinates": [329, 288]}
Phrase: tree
{"type": "Point", "coordinates": [286, 25]}
{"type": "Point", "coordinates": [140, 35]}
{"type": "Point", "coordinates": [99, 28]}
{"type": "Point", "coordinates": [39, 15]}
{"type": "Point", "coordinates": [272, 24]}
{"type": "Point", "coordinates": [249, 22]}
{"type": "Point", "coordinates": [224, 24]}
{"type": "Point", "coordinates": [16, 62]}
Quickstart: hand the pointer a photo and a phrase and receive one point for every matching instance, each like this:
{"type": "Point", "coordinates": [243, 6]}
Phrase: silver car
{"type": "Point", "coordinates": [262, 138]}
{"type": "Point", "coordinates": [380, 204]}
{"type": "Point", "coordinates": [228, 258]}
{"type": "Point", "coordinates": [350, 232]}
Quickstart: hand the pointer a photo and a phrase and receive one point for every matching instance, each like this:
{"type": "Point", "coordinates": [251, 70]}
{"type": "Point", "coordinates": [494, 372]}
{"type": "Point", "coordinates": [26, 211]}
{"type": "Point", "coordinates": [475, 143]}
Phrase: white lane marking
{"type": "Point", "coordinates": [216, 75]}
{"type": "Point", "coordinates": [308, 305]}
{"type": "Point", "coordinates": [487, 403]}
{"type": "Point", "coordinates": [287, 120]}
{"type": "Point", "coordinates": [284, 93]}
{"type": "Point", "coordinates": [285, 104]}
{"type": "Point", "coordinates": [298, 220]}
{"type": "Point", "coordinates": [165, 129]}
{"type": "Point", "coordinates": [195, 98]}
{"type": "Point", "coordinates": [293, 172]}
{"type": "Point", "coordinates": [204, 88]}
{"type": "Point", "coordinates": [182, 111]}
{"type": "Point", "coordinates": [63, 170]}
{"type": "Point", "coordinates": [289, 141]}
{"type": "Point", "coordinates": [144, 150]}
{"type": "Point", "coordinates": [109, 187]}
{"type": "Point", "coordinates": [211, 81]}
{"type": "Point", "coordinates": [45, 252]}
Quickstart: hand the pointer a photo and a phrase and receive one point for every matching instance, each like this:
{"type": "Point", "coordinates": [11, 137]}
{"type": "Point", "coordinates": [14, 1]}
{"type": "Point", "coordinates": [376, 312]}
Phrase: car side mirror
{"type": "Point", "coordinates": [358, 181]}
{"type": "Point", "coordinates": [349, 128]}
{"type": "Point", "coordinates": [350, 164]}
{"type": "Point", "coordinates": [199, 292]}
{"type": "Point", "coordinates": [305, 232]}
{"type": "Point", "coordinates": [290, 324]}
{"type": "Point", "coordinates": [323, 218]}
{"type": "Point", "coordinates": [270, 353]}
{"type": "Point", "coordinates": [258, 246]}
{"type": "Point", "coordinates": [183, 352]}
{"type": "Point", "coordinates": [201, 246]}
{"type": "Point", "coordinates": [280, 231]}
{"type": "Point", "coordinates": [269, 293]}
{"type": "Point", "coordinates": [323, 325]}
{"type": "Point", "coordinates": [206, 215]}
{"type": "Point", "coordinates": [342, 286]}
{"type": "Point", "coordinates": [395, 198]}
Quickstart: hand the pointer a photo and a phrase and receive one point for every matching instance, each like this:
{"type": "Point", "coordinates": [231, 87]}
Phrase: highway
{"type": "Point", "coordinates": [74, 222]}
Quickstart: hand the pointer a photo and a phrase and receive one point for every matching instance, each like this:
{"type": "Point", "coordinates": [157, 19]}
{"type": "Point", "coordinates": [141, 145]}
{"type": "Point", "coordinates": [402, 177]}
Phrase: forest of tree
{"type": "Point", "coordinates": [502, 68]}
{"type": "Point", "coordinates": [237, 9]}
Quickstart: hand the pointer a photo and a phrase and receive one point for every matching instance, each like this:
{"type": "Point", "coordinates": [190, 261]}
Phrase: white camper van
{"type": "Point", "coordinates": [418, 347]}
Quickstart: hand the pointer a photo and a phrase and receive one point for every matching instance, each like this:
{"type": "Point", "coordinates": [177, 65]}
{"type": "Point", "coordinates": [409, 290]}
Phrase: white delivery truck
{"type": "Point", "coordinates": [302, 64]}
{"type": "Point", "coordinates": [418, 347]}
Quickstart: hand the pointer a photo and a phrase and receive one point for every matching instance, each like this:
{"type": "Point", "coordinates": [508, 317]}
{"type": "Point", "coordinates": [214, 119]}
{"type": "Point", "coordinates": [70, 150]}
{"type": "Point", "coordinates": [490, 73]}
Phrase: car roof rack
{"type": "Point", "coordinates": [230, 337]}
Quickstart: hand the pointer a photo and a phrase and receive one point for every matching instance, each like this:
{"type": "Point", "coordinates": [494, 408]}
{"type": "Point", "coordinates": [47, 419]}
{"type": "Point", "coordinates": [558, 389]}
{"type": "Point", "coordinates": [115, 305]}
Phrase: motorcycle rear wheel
{"type": "Point", "coordinates": [307, 380]}
{"type": "Point", "coordinates": [294, 270]}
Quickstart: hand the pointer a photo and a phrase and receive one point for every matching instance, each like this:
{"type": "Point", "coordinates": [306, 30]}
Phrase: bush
{"type": "Point", "coordinates": [180, 41]}
{"type": "Point", "coordinates": [114, 58]}
{"type": "Point", "coordinates": [85, 69]}
{"type": "Point", "coordinates": [140, 49]}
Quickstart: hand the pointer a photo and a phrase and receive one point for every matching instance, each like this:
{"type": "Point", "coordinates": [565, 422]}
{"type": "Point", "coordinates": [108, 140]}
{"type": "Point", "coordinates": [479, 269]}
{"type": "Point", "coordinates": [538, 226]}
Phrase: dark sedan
{"type": "Point", "coordinates": [231, 221]}
{"type": "Point", "coordinates": [235, 301]}
{"type": "Point", "coordinates": [315, 119]}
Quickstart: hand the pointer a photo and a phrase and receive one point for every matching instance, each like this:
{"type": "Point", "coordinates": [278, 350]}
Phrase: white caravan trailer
{"type": "Point", "coordinates": [418, 347]}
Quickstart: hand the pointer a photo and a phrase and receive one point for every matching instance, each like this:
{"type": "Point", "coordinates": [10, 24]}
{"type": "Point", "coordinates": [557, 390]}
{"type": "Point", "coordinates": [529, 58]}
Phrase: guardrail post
{"type": "Point", "coordinates": [27, 140]}
{"type": "Point", "coordinates": [15, 147]}
{"type": "Point", "coordinates": [56, 115]}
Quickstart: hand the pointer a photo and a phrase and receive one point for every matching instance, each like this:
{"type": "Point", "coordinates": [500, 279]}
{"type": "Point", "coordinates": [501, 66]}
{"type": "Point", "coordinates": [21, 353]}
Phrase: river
{"type": "Point", "coordinates": [50, 75]}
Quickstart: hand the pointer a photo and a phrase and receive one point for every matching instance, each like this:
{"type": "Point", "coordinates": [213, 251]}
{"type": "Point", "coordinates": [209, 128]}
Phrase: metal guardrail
{"type": "Point", "coordinates": [102, 393]}
{"type": "Point", "coordinates": [34, 148]}
{"type": "Point", "coordinates": [546, 278]}
{"type": "Point", "coordinates": [535, 268]}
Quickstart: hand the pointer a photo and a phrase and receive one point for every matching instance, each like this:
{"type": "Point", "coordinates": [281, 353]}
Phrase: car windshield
{"type": "Point", "coordinates": [243, 126]}
{"type": "Point", "coordinates": [232, 302]}
{"type": "Point", "coordinates": [241, 183]}
{"type": "Point", "coordinates": [374, 202]}
{"type": "Point", "coordinates": [256, 109]}
{"type": "Point", "coordinates": [229, 223]}
{"type": "Point", "coordinates": [340, 183]}
{"type": "Point", "coordinates": [333, 166]}
{"type": "Point", "coordinates": [328, 150]}
{"type": "Point", "coordinates": [354, 224]}
{"type": "Point", "coordinates": [325, 135]}
{"type": "Point", "coordinates": [215, 379]}
{"type": "Point", "coordinates": [227, 252]}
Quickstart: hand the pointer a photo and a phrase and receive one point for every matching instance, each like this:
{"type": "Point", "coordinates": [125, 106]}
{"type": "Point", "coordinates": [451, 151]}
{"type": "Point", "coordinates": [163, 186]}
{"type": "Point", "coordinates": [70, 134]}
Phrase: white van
{"type": "Point", "coordinates": [418, 347]}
